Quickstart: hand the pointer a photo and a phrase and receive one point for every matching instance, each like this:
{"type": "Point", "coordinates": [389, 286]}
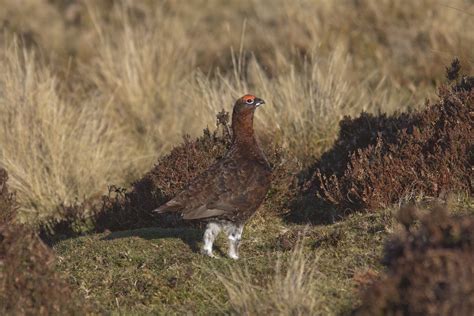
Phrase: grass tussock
{"type": "Point", "coordinates": [430, 269]}
{"type": "Point", "coordinates": [122, 82]}
{"type": "Point", "coordinates": [284, 293]}
{"type": "Point", "coordinates": [138, 68]}
{"type": "Point", "coordinates": [49, 144]}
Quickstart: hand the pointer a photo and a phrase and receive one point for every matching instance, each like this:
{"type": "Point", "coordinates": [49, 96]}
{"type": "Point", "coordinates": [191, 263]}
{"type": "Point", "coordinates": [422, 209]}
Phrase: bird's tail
{"type": "Point", "coordinates": [170, 206]}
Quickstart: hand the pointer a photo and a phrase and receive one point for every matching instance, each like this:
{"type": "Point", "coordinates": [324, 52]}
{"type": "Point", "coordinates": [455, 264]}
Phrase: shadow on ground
{"type": "Point", "coordinates": [189, 236]}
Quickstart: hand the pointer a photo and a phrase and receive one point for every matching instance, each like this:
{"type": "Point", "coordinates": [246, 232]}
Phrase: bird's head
{"type": "Point", "coordinates": [247, 104]}
{"type": "Point", "coordinates": [242, 117]}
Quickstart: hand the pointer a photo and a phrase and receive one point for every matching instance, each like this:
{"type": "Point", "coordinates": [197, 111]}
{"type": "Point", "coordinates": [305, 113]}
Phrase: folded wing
{"type": "Point", "coordinates": [215, 192]}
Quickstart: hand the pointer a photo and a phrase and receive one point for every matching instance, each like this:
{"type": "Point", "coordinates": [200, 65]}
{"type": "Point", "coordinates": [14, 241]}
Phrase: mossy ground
{"type": "Point", "coordinates": [160, 270]}
{"type": "Point", "coordinates": [156, 270]}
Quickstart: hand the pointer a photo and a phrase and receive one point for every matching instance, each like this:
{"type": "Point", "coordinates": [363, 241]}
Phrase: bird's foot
{"type": "Point", "coordinates": [233, 256]}
{"type": "Point", "coordinates": [233, 252]}
{"type": "Point", "coordinates": [207, 252]}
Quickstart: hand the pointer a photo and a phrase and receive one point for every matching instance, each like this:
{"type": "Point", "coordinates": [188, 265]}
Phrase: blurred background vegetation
{"type": "Point", "coordinates": [93, 92]}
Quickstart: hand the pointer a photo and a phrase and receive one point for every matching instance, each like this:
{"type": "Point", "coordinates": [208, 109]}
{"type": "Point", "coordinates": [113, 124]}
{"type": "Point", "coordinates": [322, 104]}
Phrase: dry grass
{"type": "Point", "coordinates": [55, 150]}
{"type": "Point", "coordinates": [307, 102]}
{"type": "Point", "coordinates": [139, 68]}
{"type": "Point", "coordinates": [285, 293]}
{"type": "Point", "coordinates": [96, 91]}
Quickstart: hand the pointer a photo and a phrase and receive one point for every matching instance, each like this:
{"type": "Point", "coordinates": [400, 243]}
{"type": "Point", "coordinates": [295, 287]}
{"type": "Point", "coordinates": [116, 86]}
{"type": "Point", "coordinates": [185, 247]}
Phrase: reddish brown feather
{"type": "Point", "coordinates": [235, 186]}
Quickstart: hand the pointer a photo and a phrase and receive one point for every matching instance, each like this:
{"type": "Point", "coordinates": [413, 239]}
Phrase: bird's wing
{"type": "Point", "coordinates": [211, 193]}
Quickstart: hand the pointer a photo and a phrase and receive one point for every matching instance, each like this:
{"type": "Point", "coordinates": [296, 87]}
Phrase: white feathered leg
{"type": "Point", "coordinates": [212, 230]}
{"type": "Point", "coordinates": [234, 234]}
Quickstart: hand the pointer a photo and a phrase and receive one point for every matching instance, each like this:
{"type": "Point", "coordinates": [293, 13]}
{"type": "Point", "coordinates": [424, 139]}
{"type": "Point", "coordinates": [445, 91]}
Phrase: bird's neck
{"type": "Point", "coordinates": [242, 128]}
{"type": "Point", "coordinates": [245, 141]}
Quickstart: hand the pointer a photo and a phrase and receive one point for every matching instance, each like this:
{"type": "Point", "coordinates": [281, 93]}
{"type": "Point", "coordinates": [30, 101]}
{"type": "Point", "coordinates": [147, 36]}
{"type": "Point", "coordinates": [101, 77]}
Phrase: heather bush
{"type": "Point", "coordinates": [29, 284]}
{"type": "Point", "coordinates": [379, 160]}
{"type": "Point", "coordinates": [430, 269]}
{"type": "Point", "coordinates": [7, 199]}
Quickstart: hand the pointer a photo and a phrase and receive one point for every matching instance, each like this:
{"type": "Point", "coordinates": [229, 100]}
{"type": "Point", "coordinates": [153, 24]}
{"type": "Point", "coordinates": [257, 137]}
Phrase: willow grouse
{"type": "Point", "coordinates": [228, 193]}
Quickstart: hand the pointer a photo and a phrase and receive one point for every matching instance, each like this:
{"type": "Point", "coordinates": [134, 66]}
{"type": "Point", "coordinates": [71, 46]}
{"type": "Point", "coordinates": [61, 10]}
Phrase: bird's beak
{"type": "Point", "coordinates": [259, 102]}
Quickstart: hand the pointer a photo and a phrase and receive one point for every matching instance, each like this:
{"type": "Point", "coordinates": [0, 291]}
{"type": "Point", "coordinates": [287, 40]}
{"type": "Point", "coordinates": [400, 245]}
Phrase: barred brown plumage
{"type": "Point", "coordinates": [229, 192]}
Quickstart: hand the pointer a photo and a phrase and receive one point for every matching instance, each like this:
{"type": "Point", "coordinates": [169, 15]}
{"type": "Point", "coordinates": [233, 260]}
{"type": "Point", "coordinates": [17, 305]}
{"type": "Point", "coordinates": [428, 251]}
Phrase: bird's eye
{"type": "Point", "coordinates": [249, 101]}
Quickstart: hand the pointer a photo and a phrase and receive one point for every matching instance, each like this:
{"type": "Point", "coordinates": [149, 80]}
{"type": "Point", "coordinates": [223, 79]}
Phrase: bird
{"type": "Point", "coordinates": [229, 192]}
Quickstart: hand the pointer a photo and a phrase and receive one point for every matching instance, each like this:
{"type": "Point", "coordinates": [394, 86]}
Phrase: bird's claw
{"type": "Point", "coordinates": [233, 256]}
{"type": "Point", "coordinates": [208, 253]}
